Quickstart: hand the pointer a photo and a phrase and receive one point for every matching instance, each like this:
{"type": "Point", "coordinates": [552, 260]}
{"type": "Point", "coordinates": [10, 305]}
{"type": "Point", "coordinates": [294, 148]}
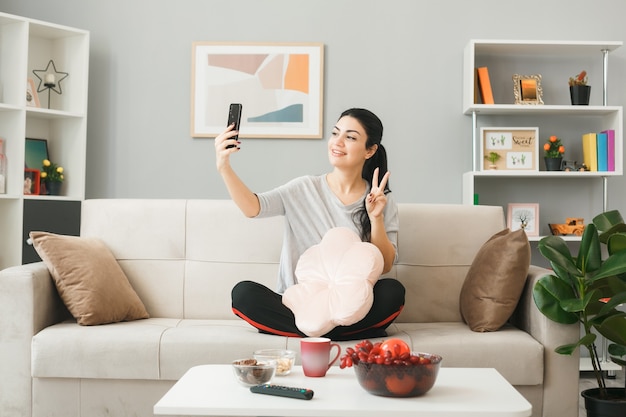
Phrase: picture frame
{"type": "Point", "coordinates": [523, 216]}
{"type": "Point", "coordinates": [32, 97]}
{"type": "Point", "coordinates": [36, 151]}
{"type": "Point", "coordinates": [518, 148]}
{"type": "Point", "coordinates": [280, 86]}
{"type": "Point", "coordinates": [527, 89]}
{"type": "Point", "coordinates": [32, 181]}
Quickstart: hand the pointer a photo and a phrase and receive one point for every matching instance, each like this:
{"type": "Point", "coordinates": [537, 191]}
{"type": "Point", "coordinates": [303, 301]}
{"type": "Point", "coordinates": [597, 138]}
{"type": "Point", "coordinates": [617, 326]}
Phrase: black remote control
{"type": "Point", "coordinates": [282, 391]}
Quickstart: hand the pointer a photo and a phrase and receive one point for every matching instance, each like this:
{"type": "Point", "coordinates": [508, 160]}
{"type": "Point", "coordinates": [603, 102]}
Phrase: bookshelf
{"type": "Point", "coordinates": [555, 61]}
{"type": "Point", "coordinates": [27, 45]}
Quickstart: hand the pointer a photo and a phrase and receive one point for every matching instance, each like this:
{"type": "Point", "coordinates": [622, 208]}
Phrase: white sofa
{"type": "Point", "coordinates": [183, 257]}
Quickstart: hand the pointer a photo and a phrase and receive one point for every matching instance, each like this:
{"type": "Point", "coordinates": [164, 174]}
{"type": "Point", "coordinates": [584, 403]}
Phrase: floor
{"type": "Point", "coordinates": [587, 380]}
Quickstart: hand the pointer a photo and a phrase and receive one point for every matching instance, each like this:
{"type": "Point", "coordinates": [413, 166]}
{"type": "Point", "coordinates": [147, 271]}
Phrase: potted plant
{"type": "Point", "coordinates": [493, 157]}
{"type": "Point", "coordinates": [578, 89]}
{"type": "Point", "coordinates": [553, 153]}
{"type": "Point", "coordinates": [587, 289]}
{"type": "Point", "coordinates": [52, 176]}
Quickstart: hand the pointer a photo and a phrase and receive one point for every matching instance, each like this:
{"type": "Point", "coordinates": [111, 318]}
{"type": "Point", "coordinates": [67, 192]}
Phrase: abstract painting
{"type": "Point", "coordinates": [279, 85]}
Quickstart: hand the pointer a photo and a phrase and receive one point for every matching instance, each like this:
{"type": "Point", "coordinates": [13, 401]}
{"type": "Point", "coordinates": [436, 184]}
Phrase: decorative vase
{"type": "Point", "coordinates": [553, 164]}
{"type": "Point", "coordinates": [53, 188]}
{"type": "Point", "coordinates": [615, 406]}
{"type": "Point", "coordinates": [579, 94]}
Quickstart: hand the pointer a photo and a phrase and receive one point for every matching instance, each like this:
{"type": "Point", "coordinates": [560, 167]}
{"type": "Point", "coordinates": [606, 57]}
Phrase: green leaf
{"type": "Point", "coordinates": [604, 221]}
{"type": "Point", "coordinates": [566, 349]}
{"type": "Point", "coordinates": [613, 265]}
{"type": "Point", "coordinates": [617, 352]}
{"type": "Point", "coordinates": [587, 340]}
{"type": "Point", "coordinates": [616, 242]}
{"type": "Point", "coordinates": [548, 293]}
{"type": "Point", "coordinates": [555, 250]}
{"type": "Point", "coordinates": [576, 305]}
{"type": "Point", "coordinates": [589, 254]}
{"type": "Point", "coordinates": [618, 360]}
{"type": "Point", "coordinates": [614, 328]}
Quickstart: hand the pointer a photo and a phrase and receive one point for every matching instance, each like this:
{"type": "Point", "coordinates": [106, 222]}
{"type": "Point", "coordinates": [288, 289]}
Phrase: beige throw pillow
{"type": "Point", "coordinates": [88, 278]}
{"type": "Point", "coordinates": [495, 281]}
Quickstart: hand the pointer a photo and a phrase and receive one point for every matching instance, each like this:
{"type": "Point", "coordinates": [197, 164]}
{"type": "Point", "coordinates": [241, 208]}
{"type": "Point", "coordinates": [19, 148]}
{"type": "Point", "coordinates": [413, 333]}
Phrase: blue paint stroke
{"type": "Point", "coordinates": [290, 114]}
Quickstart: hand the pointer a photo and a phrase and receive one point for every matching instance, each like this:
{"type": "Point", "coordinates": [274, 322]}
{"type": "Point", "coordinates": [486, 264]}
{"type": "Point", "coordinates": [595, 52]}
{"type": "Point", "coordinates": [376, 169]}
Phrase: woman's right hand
{"type": "Point", "coordinates": [225, 145]}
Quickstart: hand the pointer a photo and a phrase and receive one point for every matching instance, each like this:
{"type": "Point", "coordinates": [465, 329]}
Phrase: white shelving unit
{"type": "Point", "coordinates": [556, 61]}
{"type": "Point", "coordinates": [27, 45]}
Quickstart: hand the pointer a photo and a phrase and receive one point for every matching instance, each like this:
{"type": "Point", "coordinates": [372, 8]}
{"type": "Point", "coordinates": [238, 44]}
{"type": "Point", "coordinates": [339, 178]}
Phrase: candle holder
{"type": "Point", "coordinates": [50, 80]}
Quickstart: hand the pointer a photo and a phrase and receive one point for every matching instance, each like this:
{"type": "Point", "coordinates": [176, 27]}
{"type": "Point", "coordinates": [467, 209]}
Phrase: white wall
{"type": "Point", "coordinates": [400, 58]}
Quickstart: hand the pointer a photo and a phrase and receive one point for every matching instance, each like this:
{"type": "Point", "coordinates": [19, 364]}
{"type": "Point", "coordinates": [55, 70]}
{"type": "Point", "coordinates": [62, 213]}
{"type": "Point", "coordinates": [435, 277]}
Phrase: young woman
{"type": "Point", "coordinates": [349, 196]}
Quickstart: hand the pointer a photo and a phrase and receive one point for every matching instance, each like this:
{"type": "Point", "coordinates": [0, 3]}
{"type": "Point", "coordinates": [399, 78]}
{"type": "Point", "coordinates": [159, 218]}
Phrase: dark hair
{"type": "Point", "coordinates": [374, 131]}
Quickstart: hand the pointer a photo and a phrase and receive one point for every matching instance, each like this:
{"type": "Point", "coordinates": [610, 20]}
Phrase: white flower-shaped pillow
{"type": "Point", "coordinates": [335, 282]}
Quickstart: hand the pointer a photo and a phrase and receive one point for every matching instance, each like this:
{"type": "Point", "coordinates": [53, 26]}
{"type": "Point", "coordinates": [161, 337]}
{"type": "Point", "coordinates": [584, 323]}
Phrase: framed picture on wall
{"type": "Point", "coordinates": [524, 216]}
{"type": "Point", "coordinates": [36, 152]}
{"type": "Point", "coordinates": [509, 148]}
{"type": "Point", "coordinates": [31, 181]}
{"type": "Point", "coordinates": [280, 86]}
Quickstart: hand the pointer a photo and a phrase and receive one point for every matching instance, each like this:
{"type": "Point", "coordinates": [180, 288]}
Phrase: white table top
{"type": "Point", "coordinates": [211, 390]}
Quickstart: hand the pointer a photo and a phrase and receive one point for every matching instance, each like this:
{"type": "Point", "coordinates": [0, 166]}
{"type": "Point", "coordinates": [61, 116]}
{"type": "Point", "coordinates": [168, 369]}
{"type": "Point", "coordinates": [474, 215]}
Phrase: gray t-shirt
{"type": "Point", "coordinates": [311, 209]}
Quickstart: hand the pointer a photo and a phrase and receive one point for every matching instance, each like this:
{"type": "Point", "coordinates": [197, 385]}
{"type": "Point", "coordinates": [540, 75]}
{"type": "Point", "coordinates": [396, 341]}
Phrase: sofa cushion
{"type": "Point", "coordinates": [512, 352]}
{"type": "Point", "coordinates": [160, 348]}
{"type": "Point", "coordinates": [335, 282]}
{"type": "Point", "coordinates": [495, 281]}
{"type": "Point", "coordinates": [88, 278]}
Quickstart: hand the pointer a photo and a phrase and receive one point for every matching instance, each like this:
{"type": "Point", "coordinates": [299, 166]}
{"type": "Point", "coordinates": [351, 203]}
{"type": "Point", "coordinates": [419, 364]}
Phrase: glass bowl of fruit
{"type": "Point", "coordinates": [390, 369]}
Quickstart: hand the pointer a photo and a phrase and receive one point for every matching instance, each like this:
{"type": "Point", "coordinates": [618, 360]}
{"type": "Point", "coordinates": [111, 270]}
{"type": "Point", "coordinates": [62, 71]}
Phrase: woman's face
{"type": "Point", "coordinates": [347, 144]}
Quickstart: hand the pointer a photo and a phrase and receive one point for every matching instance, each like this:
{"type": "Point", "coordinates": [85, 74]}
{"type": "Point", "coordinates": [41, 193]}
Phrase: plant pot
{"type": "Point", "coordinates": [579, 94]}
{"type": "Point", "coordinates": [614, 406]}
{"type": "Point", "coordinates": [553, 164]}
{"type": "Point", "coordinates": [53, 188]}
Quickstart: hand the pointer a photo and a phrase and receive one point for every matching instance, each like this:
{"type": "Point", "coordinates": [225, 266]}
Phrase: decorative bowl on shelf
{"type": "Point", "coordinates": [404, 380]}
{"type": "Point", "coordinates": [249, 372]}
{"type": "Point", "coordinates": [284, 359]}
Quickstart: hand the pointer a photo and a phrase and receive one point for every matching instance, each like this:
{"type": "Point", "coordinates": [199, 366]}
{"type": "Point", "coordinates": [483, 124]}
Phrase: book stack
{"type": "Point", "coordinates": [599, 150]}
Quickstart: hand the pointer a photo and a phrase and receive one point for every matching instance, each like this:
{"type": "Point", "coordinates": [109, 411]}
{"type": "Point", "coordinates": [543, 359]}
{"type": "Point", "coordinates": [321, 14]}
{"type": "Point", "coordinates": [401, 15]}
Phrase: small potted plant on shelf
{"type": "Point", "coordinates": [579, 90]}
{"type": "Point", "coordinates": [588, 290]}
{"type": "Point", "coordinates": [553, 153]}
{"type": "Point", "coordinates": [493, 157]}
{"type": "Point", "coordinates": [52, 177]}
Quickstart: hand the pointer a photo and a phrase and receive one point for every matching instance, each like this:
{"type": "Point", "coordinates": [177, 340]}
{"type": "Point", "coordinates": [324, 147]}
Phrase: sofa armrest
{"type": "Point", "coordinates": [29, 302]}
{"type": "Point", "coordinates": [561, 372]}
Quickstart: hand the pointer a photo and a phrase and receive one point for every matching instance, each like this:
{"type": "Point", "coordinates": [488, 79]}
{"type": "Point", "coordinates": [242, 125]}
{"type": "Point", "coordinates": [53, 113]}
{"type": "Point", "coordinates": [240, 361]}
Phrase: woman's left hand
{"type": "Point", "coordinates": [376, 200]}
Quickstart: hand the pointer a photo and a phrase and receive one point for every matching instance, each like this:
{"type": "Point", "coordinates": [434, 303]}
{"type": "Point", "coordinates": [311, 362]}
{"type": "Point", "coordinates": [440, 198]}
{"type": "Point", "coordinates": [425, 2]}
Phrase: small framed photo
{"type": "Point", "coordinates": [35, 152]}
{"type": "Point", "coordinates": [509, 148]}
{"type": "Point", "coordinates": [524, 216]}
{"type": "Point", "coordinates": [527, 89]}
{"type": "Point", "coordinates": [32, 98]}
{"type": "Point", "coordinates": [31, 181]}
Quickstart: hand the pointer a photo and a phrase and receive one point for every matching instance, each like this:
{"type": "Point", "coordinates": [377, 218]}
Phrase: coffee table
{"type": "Point", "coordinates": [211, 390]}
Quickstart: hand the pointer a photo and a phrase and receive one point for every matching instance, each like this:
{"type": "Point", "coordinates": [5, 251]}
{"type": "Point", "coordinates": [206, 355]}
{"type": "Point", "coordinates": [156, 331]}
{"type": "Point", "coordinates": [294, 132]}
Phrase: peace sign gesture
{"type": "Point", "coordinates": [376, 200]}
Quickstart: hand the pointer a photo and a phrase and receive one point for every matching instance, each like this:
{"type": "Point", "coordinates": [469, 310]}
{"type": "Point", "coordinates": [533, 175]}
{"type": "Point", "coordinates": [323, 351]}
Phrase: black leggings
{"type": "Point", "coordinates": [264, 309]}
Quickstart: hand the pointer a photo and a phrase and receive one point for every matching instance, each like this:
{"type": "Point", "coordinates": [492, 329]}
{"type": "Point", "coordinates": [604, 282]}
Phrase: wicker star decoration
{"type": "Point", "coordinates": [59, 76]}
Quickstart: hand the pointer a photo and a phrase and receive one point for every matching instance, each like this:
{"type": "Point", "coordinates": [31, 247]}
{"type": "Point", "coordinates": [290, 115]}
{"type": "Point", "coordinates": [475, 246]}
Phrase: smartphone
{"type": "Point", "coordinates": [234, 116]}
